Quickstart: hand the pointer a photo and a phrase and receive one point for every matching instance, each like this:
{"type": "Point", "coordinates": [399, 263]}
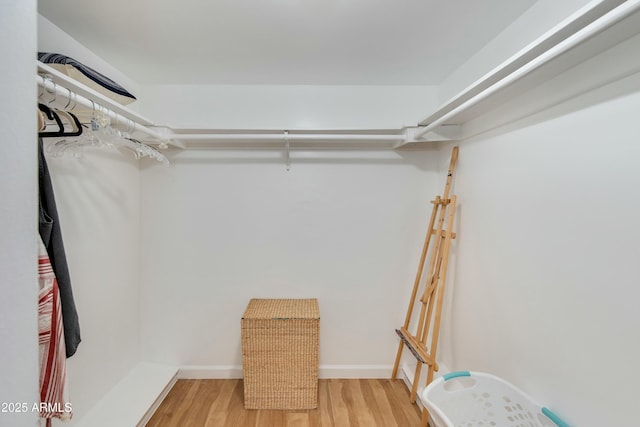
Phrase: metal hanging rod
{"type": "Point", "coordinates": [293, 141]}
{"type": "Point", "coordinates": [292, 136]}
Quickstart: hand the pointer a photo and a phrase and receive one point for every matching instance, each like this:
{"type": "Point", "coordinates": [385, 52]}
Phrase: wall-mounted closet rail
{"type": "Point", "coordinates": [217, 138]}
{"type": "Point", "coordinates": [293, 136]}
{"type": "Point", "coordinates": [276, 139]}
{"type": "Point", "coordinates": [597, 27]}
{"type": "Point", "coordinates": [591, 30]}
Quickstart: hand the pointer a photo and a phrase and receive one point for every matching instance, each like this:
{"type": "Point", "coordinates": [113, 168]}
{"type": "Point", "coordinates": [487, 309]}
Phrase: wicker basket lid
{"type": "Point", "coordinates": [282, 309]}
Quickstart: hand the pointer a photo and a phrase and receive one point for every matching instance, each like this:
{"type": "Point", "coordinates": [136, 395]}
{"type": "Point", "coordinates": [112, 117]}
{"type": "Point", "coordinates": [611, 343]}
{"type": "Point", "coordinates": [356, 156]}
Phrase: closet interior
{"type": "Point", "coordinates": [179, 207]}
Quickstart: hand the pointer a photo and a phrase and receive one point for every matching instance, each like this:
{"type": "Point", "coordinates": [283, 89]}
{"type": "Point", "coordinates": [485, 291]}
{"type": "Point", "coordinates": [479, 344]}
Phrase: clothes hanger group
{"type": "Point", "coordinates": [65, 126]}
{"type": "Point", "coordinates": [46, 115]}
{"type": "Point", "coordinates": [54, 115]}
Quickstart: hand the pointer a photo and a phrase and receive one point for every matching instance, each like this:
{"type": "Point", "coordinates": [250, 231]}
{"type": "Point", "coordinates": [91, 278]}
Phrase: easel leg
{"type": "Point", "coordinates": [425, 418]}
{"type": "Point", "coordinates": [394, 374]}
{"type": "Point", "coordinates": [425, 413]}
{"type": "Point", "coordinates": [416, 379]}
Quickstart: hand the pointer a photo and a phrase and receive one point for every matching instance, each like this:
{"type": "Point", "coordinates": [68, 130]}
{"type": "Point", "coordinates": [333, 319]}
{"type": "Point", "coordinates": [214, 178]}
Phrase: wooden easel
{"type": "Point", "coordinates": [437, 243]}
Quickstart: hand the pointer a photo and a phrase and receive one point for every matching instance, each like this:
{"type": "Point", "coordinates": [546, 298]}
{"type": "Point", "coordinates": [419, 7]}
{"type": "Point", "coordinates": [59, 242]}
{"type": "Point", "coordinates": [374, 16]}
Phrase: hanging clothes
{"type": "Point", "coordinates": [54, 400]}
{"type": "Point", "coordinates": [52, 238]}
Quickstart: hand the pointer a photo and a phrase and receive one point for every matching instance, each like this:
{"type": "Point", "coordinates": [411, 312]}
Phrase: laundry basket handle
{"type": "Point", "coordinates": [553, 417]}
{"type": "Point", "coordinates": [456, 374]}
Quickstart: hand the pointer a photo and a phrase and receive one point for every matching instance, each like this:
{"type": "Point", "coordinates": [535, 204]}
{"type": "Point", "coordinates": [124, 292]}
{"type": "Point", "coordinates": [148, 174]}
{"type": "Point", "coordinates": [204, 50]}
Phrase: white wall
{"type": "Point", "coordinates": [98, 203]}
{"type": "Point", "coordinates": [545, 282]}
{"type": "Point", "coordinates": [18, 213]}
{"type": "Point", "coordinates": [223, 227]}
{"type": "Point", "coordinates": [288, 106]}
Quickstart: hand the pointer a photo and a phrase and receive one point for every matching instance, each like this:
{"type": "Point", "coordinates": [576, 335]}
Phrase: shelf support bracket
{"type": "Point", "coordinates": [439, 134]}
{"type": "Point", "coordinates": [287, 151]}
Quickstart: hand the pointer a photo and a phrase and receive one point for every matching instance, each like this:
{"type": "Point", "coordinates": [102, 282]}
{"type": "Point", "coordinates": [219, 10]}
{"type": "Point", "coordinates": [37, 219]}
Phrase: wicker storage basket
{"type": "Point", "coordinates": [280, 340]}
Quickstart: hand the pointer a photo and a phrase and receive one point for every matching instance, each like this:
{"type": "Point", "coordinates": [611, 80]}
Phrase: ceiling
{"type": "Point", "coordinates": [311, 42]}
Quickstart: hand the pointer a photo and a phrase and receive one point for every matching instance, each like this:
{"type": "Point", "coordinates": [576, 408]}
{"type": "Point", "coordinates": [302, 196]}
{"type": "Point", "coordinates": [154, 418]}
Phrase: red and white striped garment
{"type": "Point", "coordinates": [54, 400]}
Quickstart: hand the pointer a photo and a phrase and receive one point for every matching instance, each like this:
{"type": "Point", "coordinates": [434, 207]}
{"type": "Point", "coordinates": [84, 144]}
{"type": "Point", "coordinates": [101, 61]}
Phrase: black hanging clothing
{"type": "Point", "coordinates": [52, 237]}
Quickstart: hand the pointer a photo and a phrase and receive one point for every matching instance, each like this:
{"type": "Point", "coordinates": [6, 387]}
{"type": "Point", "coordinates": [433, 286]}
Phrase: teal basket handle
{"type": "Point", "coordinates": [553, 417]}
{"type": "Point", "coordinates": [456, 374]}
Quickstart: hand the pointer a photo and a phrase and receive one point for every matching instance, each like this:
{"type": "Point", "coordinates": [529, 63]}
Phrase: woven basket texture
{"type": "Point", "coordinates": [280, 342]}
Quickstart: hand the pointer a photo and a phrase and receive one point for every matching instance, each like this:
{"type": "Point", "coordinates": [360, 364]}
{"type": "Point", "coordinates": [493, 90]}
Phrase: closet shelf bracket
{"type": "Point", "coordinates": [441, 133]}
{"type": "Point", "coordinates": [287, 151]}
{"type": "Point", "coordinates": [166, 138]}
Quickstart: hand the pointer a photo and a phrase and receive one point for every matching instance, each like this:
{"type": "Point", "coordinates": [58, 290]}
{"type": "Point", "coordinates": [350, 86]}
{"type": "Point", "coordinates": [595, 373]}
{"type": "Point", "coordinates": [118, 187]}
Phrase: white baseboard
{"type": "Point", "coordinates": [209, 372]}
{"type": "Point", "coordinates": [355, 371]}
{"type": "Point", "coordinates": [324, 371]}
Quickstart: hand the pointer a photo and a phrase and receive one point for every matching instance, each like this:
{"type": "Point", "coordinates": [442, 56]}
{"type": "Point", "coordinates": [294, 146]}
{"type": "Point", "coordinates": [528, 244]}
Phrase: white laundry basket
{"type": "Point", "coordinates": [475, 399]}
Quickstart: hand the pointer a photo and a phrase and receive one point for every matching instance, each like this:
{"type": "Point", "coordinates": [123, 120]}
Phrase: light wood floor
{"type": "Point", "coordinates": [341, 403]}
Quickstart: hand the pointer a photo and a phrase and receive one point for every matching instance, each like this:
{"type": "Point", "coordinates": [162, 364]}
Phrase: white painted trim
{"type": "Point", "coordinates": [199, 372]}
{"type": "Point", "coordinates": [324, 371]}
{"type": "Point", "coordinates": [355, 371]}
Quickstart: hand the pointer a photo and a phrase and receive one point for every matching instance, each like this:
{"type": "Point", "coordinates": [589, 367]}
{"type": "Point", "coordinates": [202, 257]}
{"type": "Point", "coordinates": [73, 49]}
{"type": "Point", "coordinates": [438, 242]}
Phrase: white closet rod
{"type": "Point", "coordinates": [64, 96]}
{"type": "Point", "coordinates": [291, 137]}
{"type": "Point", "coordinates": [616, 15]}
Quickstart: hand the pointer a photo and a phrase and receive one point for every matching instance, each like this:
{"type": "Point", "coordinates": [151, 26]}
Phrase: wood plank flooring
{"type": "Point", "coordinates": [341, 403]}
